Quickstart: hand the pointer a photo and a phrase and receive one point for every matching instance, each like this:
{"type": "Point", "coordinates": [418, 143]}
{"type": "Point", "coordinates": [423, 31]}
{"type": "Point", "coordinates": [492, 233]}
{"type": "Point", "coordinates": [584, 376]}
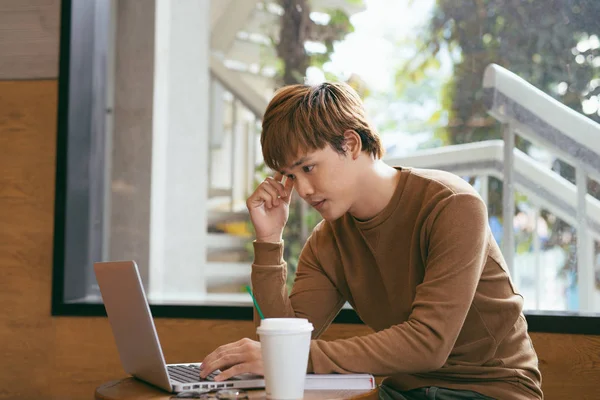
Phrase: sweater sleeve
{"type": "Point", "coordinates": [313, 296]}
{"type": "Point", "coordinates": [456, 248]}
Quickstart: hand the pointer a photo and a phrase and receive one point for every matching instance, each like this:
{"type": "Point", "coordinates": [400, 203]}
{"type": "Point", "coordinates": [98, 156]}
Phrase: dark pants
{"type": "Point", "coordinates": [428, 393]}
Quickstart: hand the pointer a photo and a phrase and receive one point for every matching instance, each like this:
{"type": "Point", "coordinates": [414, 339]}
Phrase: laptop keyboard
{"type": "Point", "coordinates": [188, 373]}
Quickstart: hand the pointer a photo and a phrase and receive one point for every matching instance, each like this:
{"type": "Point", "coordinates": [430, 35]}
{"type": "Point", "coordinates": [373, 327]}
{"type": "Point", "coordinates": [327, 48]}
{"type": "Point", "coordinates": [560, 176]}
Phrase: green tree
{"type": "Point", "coordinates": [536, 39]}
{"type": "Point", "coordinates": [296, 28]}
{"type": "Point", "coordinates": [546, 42]}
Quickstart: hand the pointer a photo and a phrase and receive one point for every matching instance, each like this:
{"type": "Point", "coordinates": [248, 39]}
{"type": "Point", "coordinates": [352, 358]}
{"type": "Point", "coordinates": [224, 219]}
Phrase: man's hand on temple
{"type": "Point", "coordinates": [269, 207]}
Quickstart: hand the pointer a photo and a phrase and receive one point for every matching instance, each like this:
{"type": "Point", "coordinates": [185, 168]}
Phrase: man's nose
{"type": "Point", "coordinates": [303, 187]}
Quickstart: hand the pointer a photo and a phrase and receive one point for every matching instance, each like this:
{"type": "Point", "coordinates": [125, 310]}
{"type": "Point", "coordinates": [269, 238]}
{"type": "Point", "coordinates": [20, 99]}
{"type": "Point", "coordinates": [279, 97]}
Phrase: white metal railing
{"type": "Point", "coordinates": [538, 117]}
{"type": "Point", "coordinates": [542, 119]}
{"type": "Point", "coordinates": [529, 112]}
{"type": "Point", "coordinates": [235, 110]}
{"type": "Point", "coordinates": [236, 107]}
{"type": "Point", "coordinates": [232, 80]}
{"type": "Point", "coordinates": [544, 188]}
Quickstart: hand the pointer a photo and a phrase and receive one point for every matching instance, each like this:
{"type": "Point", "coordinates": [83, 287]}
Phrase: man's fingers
{"type": "Point", "coordinates": [233, 359]}
{"type": "Point", "coordinates": [289, 189]}
{"type": "Point", "coordinates": [270, 192]}
{"type": "Point", "coordinates": [229, 360]}
{"type": "Point", "coordinates": [211, 361]}
{"type": "Point", "coordinates": [229, 364]}
{"type": "Point", "coordinates": [268, 195]}
{"type": "Point", "coordinates": [261, 196]}
{"type": "Point", "coordinates": [233, 371]}
{"type": "Point", "coordinates": [277, 185]}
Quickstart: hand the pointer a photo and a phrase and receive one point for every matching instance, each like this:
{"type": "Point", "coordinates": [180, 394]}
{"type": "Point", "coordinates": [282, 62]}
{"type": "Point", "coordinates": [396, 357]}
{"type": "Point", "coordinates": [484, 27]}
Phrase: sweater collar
{"type": "Point", "coordinates": [389, 209]}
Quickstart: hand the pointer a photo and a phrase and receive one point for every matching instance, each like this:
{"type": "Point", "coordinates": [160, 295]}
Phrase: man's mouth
{"type": "Point", "coordinates": [318, 204]}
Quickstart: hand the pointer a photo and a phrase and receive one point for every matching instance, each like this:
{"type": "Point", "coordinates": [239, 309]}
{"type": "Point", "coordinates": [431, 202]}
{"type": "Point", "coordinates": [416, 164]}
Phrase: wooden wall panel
{"type": "Point", "coordinates": [29, 39]}
{"type": "Point", "coordinates": [570, 365]}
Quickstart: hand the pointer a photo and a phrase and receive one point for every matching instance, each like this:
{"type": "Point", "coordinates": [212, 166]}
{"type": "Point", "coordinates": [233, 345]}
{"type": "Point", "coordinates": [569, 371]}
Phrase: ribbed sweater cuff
{"type": "Point", "coordinates": [268, 253]}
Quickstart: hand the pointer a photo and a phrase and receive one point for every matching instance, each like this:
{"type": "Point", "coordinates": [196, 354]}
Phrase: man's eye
{"type": "Point", "coordinates": [308, 168]}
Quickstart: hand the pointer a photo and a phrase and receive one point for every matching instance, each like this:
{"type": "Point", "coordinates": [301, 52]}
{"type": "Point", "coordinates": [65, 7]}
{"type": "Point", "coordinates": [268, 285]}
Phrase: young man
{"type": "Point", "coordinates": [410, 250]}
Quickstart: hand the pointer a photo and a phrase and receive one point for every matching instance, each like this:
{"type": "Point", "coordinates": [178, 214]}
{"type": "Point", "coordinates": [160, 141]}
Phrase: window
{"type": "Point", "coordinates": [159, 125]}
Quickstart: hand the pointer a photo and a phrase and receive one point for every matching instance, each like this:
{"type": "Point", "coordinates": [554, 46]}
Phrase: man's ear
{"type": "Point", "coordinates": [352, 143]}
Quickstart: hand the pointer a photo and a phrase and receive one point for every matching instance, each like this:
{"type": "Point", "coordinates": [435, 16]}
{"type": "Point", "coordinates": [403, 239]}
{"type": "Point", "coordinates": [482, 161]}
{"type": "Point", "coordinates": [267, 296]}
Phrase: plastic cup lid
{"type": "Point", "coordinates": [284, 325]}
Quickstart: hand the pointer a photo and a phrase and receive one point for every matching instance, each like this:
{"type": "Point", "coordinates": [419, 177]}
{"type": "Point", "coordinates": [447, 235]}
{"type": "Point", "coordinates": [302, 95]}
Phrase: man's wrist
{"type": "Point", "coordinates": [270, 239]}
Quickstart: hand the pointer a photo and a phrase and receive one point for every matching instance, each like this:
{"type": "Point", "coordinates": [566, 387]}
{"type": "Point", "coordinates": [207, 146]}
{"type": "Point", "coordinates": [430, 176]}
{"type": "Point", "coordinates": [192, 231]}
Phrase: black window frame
{"type": "Point", "coordinates": [538, 321]}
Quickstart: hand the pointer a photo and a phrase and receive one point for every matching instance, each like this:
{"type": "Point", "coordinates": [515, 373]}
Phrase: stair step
{"type": "Point", "coordinates": [219, 192]}
{"type": "Point", "coordinates": [231, 274]}
{"type": "Point", "coordinates": [227, 269]}
{"type": "Point", "coordinates": [225, 241]}
{"type": "Point", "coordinates": [215, 217]}
{"type": "Point", "coordinates": [228, 255]}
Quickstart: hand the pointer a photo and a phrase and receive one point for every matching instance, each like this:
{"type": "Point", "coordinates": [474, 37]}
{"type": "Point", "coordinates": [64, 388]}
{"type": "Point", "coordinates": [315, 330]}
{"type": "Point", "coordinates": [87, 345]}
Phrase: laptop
{"type": "Point", "coordinates": [137, 341]}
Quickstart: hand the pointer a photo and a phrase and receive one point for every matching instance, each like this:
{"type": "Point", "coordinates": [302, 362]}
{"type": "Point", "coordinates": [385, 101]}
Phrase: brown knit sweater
{"type": "Point", "coordinates": [427, 276]}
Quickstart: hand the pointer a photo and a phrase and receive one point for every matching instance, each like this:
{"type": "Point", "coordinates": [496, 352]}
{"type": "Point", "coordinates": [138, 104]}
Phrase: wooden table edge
{"type": "Point", "coordinates": [134, 389]}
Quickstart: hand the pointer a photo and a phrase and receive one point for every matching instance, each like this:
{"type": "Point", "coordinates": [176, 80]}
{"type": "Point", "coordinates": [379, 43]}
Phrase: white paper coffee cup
{"type": "Point", "coordinates": [285, 344]}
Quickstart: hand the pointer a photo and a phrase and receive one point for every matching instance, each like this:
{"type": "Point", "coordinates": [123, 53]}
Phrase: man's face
{"type": "Point", "coordinates": [325, 179]}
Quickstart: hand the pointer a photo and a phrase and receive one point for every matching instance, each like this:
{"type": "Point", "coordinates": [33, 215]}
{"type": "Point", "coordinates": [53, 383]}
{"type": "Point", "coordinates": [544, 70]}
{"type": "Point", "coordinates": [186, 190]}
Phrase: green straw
{"type": "Point", "coordinates": [255, 303]}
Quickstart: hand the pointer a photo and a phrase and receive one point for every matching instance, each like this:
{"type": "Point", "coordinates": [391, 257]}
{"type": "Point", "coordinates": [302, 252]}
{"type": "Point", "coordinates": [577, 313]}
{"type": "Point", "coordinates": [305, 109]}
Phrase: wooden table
{"type": "Point", "coordinates": [133, 389]}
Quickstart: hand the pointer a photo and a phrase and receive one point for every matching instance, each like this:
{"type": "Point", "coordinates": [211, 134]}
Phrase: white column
{"type": "Point", "coordinates": [131, 144]}
{"type": "Point", "coordinates": [216, 118]}
{"type": "Point", "coordinates": [109, 126]}
{"type": "Point", "coordinates": [240, 155]}
{"type": "Point", "coordinates": [508, 198]}
{"type": "Point", "coordinates": [235, 145]}
{"type": "Point", "coordinates": [250, 156]}
{"type": "Point", "coordinates": [485, 188]}
{"type": "Point", "coordinates": [179, 150]}
{"type": "Point", "coordinates": [585, 261]}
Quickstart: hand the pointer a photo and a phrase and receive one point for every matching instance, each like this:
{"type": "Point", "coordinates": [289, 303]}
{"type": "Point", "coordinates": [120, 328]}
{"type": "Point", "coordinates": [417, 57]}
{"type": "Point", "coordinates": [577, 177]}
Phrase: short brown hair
{"type": "Point", "coordinates": [307, 118]}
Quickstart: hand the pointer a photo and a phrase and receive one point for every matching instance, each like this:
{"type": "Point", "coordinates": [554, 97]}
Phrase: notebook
{"type": "Point", "coordinates": [142, 356]}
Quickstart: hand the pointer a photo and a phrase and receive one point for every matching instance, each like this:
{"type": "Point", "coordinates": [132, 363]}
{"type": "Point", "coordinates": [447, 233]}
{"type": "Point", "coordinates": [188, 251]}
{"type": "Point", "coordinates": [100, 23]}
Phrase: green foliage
{"type": "Point", "coordinates": [297, 28]}
{"type": "Point", "coordinates": [336, 29]}
{"type": "Point", "coordinates": [536, 39]}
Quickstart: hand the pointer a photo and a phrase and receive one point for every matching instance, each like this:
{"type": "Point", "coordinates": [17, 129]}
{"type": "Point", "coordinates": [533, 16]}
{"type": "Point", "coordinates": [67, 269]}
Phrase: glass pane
{"type": "Point", "coordinates": [597, 274]}
{"type": "Point", "coordinates": [545, 259]}
{"type": "Point", "coordinates": [181, 151]}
